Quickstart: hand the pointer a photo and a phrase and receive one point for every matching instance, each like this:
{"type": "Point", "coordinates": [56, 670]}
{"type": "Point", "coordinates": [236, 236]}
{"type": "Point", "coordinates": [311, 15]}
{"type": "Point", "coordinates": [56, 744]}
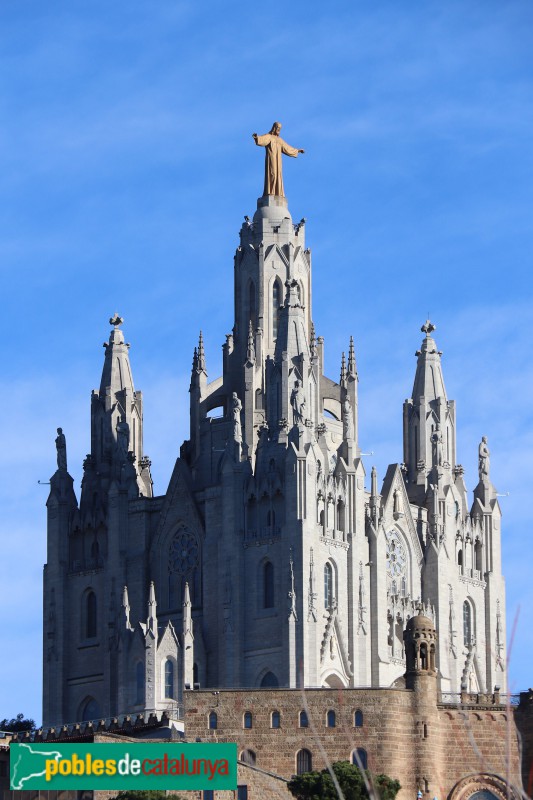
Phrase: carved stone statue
{"type": "Point", "coordinates": [237, 408]}
{"type": "Point", "coordinates": [123, 438]}
{"type": "Point", "coordinates": [484, 459]}
{"type": "Point", "coordinates": [275, 146]}
{"type": "Point", "coordinates": [437, 446]}
{"type": "Point", "coordinates": [347, 419]}
{"type": "Point", "coordinates": [298, 404]}
{"type": "Point", "coordinates": [61, 447]}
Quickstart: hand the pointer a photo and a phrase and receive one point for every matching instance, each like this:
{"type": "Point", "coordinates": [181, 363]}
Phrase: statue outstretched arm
{"type": "Point", "coordinates": [262, 140]}
{"type": "Point", "coordinates": [288, 150]}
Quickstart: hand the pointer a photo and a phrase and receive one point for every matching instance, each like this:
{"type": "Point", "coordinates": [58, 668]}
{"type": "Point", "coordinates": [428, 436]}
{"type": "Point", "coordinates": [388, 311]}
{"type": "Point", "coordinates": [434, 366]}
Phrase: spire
{"type": "Point", "coordinates": [429, 424]}
{"type": "Point", "coordinates": [429, 381]}
{"type": "Point", "coordinates": [152, 610]}
{"type": "Point", "coordinates": [201, 355]}
{"type": "Point", "coordinates": [343, 371]}
{"type": "Point", "coordinates": [352, 366]}
{"type": "Point", "coordinates": [116, 374]}
{"type": "Point", "coordinates": [188, 640]}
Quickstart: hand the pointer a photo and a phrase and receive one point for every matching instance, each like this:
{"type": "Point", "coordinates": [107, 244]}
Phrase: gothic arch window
{"type": "Point", "coordinates": [329, 585]}
{"type": "Point", "coordinates": [90, 710]}
{"type": "Point", "coordinates": [195, 672]}
{"type": "Point", "coordinates": [269, 681]}
{"type": "Point", "coordinates": [183, 567]}
{"type": "Point", "coordinates": [360, 758]}
{"type": "Point", "coordinates": [424, 664]}
{"type": "Point", "coordinates": [276, 303]}
{"type": "Point", "coordinates": [330, 719]}
{"type": "Point", "coordinates": [304, 720]}
{"type": "Point", "coordinates": [275, 719]}
{"type": "Point", "coordinates": [248, 757]}
{"type": "Point", "coordinates": [268, 585]}
{"type": "Point", "coordinates": [252, 304]}
{"type": "Point", "coordinates": [247, 720]}
{"type": "Point", "coordinates": [358, 719]}
{"type": "Point", "coordinates": [89, 614]}
{"type": "Point", "coordinates": [468, 623]}
{"type": "Point", "coordinates": [340, 516]}
{"type": "Point", "coordinates": [397, 559]}
{"type": "Point", "coordinates": [213, 721]}
{"type": "Point", "coordinates": [139, 683]}
{"type": "Point", "coordinates": [460, 557]}
{"type": "Point", "coordinates": [304, 762]}
{"type": "Point", "coordinates": [169, 679]}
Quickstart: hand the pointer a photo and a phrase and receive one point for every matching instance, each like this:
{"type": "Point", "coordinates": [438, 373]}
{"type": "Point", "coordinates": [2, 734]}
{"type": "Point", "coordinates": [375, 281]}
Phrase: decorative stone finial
{"type": "Point", "coordinates": [427, 327]}
{"type": "Point", "coordinates": [116, 320]}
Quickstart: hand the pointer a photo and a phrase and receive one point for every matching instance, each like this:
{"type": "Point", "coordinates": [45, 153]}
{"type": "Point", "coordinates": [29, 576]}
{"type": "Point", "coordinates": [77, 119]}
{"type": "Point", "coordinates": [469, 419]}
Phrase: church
{"type": "Point", "coordinates": [277, 556]}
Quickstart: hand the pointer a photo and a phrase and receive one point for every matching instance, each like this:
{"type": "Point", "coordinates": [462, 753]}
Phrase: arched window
{"type": "Point", "coordinates": [195, 672]}
{"type": "Point", "coordinates": [139, 683]}
{"type": "Point", "coordinates": [330, 719]}
{"type": "Point", "coordinates": [424, 664]}
{"type": "Point", "coordinates": [340, 516]}
{"type": "Point", "coordinates": [275, 719]}
{"type": "Point", "coordinates": [213, 721]}
{"type": "Point", "coordinates": [460, 557]}
{"type": "Point", "coordinates": [247, 720]}
{"type": "Point", "coordinates": [276, 303]}
{"type": "Point", "coordinates": [304, 762]}
{"type": "Point", "coordinates": [268, 585]}
{"type": "Point", "coordinates": [269, 680]}
{"type": "Point", "coordinates": [468, 631]}
{"type": "Point", "coordinates": [328, 586]}
{"type": "Point", "coordinates": [304, 721]}
{"type": "Point", "coordinates": [90, 710]}
{"type": "Point", "coordinates": [90, 618]}
{"type": "Point", "coordinates": [248, 757]}
{"type": "Point", "coordinates": [360, 758]}
{"type": "Point", "coordinates": [169, 679]}
{"type": "Point", "coordinates": [358, 719]}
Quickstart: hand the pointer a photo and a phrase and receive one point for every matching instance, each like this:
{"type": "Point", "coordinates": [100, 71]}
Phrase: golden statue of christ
{"type": "Point", "coordinates": [275, 146]}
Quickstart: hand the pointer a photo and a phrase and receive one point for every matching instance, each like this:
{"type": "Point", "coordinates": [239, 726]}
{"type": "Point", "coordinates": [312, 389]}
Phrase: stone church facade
{"type": "Point", "coordinates": [272, 560]}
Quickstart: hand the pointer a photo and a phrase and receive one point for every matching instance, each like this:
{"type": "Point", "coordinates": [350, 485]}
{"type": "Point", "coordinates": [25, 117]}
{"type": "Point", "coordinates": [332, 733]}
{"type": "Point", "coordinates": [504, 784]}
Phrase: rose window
{"type": "Point", "coordinates": [183, 555]}
{"type": "Point", "coordinates": [396, 556]}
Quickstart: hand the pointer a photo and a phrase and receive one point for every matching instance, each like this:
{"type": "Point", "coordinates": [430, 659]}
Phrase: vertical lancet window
{"type": "Point", "coordinates": [358, 719]}
{"type": "Point", "coordinates": [330, 719]}
{"type": "Point", "coordinates": [268, 585]}
{"type": "Point", "coordinates": [169, 679]}
{"type": "Point", "coordinates": [213, 721]}
{"type": "Point", "coordinates": [252, 305]}
{"type": "Point", "coordinates": [91, 626]}
{"type": "Point", "coordinates": [467, 623]}
{"type": "Point", "coordinates": [328, 586]}
{"type": "Point", "coordinates": [276, 303]}
{"type": "Point", "coordinates": [247, 720]}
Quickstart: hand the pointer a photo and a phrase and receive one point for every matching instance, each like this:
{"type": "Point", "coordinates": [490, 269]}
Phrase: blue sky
{"type": "Point", "coordinates": [127, 165]}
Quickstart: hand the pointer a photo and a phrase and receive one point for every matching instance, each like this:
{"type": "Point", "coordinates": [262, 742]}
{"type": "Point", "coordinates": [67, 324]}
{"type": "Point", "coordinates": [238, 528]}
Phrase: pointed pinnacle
{"type": "Point", "coordinates": [125, 598]}
{"type": "Point", "coordinates": [195, 360]}
{"type": "Point", "coordinates": [313, 339]}
{"type": "Point", "coordinates": [201, 354]}
{"type": "Point", "coordinates": [186, 596]}
{"type": "Point", "coordinates": [343, 369]}
{"type": "Point", "coordinates": [250, 354]}
{"type": "Point", "coordinates": [352, 367]}
{"type": "Point", "coordinates": [151, 600]}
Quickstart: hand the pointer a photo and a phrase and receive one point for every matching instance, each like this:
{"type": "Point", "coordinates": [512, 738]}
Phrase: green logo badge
{"type": "Point", "coordinates": [125, 765]}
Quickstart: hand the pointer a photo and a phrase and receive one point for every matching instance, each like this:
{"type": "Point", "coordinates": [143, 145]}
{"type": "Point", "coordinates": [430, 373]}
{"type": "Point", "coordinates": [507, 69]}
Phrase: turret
{"type": "Point", "coordinates": [429, 424]}
{"type": "Point", "coordinates": [116, 428]}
